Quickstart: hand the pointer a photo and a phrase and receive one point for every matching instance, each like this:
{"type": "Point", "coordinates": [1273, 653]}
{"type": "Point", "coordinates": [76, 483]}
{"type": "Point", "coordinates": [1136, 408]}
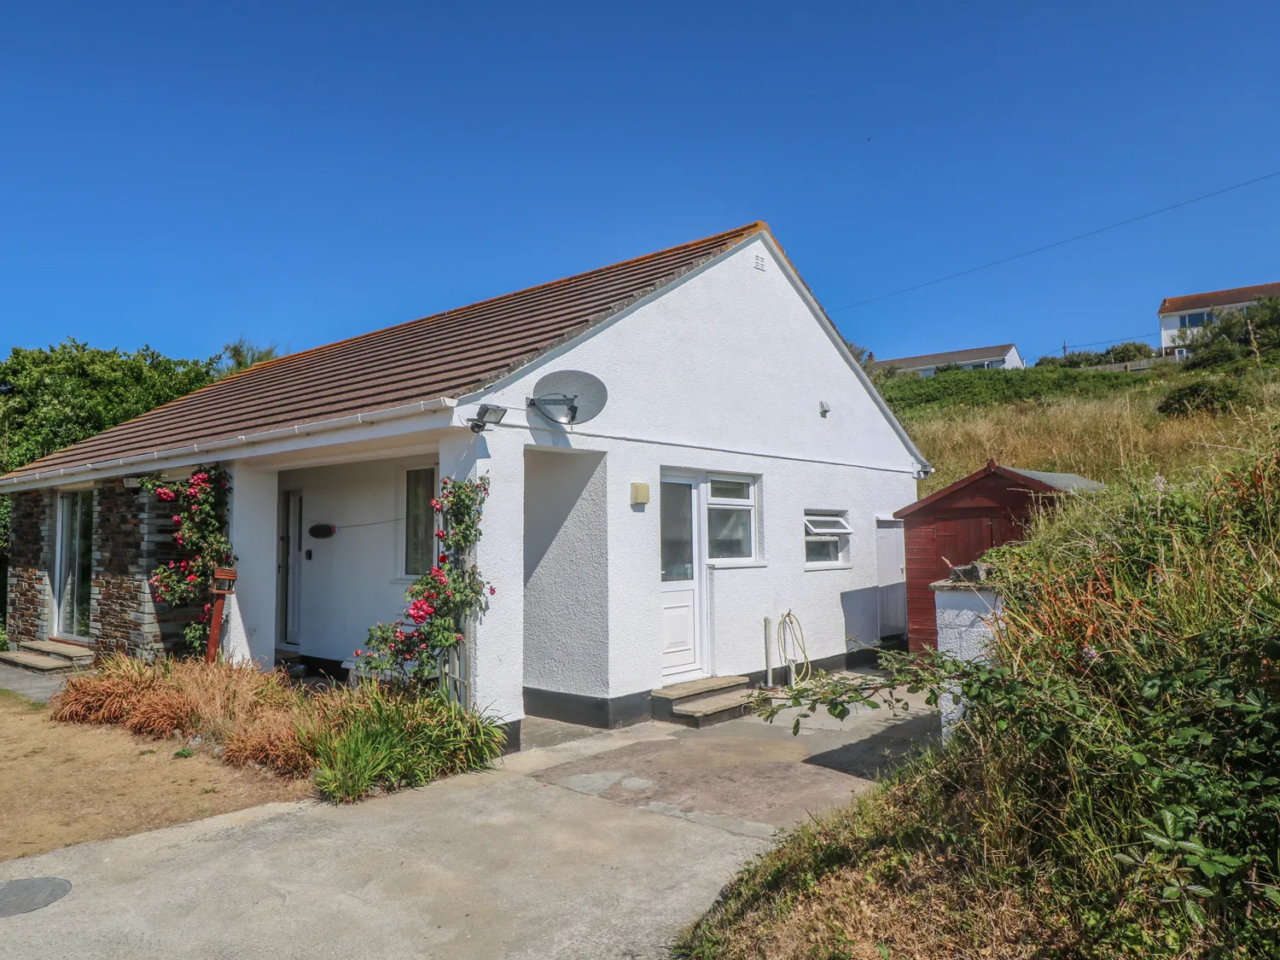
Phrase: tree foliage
{"type": "Point", "coordinates": [54, 397]}
{"type": "Point", "coordinates": [243, 354]}
{"type": "Point", "coordinates": [1250, 335]}
{"type": "Point", "coordinates": [1119, 353]}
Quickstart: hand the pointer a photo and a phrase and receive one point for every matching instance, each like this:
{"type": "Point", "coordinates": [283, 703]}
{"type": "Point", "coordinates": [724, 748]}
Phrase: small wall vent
{"type": "Point", "coordinates": [760, 263]}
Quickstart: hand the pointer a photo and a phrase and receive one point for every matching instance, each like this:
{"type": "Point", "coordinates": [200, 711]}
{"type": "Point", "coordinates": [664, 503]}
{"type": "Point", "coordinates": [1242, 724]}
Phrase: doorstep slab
{"type": "Point", "coordinates": [36, 661]}
{"type": "Point", "coordinates": [706, 706]}
{"type": "Point", "coordinates": [53, 648]}
{"type": "Point", "coordinates": [694, 688]}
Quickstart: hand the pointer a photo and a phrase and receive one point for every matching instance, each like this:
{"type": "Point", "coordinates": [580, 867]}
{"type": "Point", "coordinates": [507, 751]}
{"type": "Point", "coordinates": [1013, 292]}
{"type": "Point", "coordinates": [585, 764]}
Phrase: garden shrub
{"type": "Point", "coordinates": [1216, 396]}
{"type": "Point", "coordinates": [976, 388]}
{"type": "Point", "coordinates": [354, 738]}
{"type": "Point", "coordinates": [1118, 766]}
{"type": "Point", "coordinates": [386, 736]}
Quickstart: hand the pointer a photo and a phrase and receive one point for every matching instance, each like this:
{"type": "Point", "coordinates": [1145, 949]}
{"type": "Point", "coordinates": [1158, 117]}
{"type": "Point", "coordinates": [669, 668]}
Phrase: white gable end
{"type": "Point", "coordinates": [732, 357]}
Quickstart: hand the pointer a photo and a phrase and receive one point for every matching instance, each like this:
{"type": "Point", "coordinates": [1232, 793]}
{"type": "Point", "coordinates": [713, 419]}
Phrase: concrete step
{"type": "Point", "coordinates": [695, 688]}
{"type": "Point", "coordinates": [80, 656]}
{"type": "Point", "coordinates": [686, 702]}
{"type": "Point", "coordinates": [717, 708]}
{"type": "Point", "coordinates": [37, 662]}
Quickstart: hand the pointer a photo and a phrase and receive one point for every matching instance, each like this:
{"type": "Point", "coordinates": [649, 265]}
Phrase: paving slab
{"type": "Point", "coordinates": [34, 686]}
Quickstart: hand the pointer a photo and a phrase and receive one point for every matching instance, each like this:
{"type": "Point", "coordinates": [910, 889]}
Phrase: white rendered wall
{"type": "Point", "coordinates": [355, 578]}
{"type": "Point", "coordinates": [497, 647]}
{"type": "Point", "coordinates": [724, 373]}
{"type": "Point", "coordinates": [964, 632]}
{"type": "Point", "coordinates": [566, 583]}
{"type": "Point", "coordinates": [249, 627]}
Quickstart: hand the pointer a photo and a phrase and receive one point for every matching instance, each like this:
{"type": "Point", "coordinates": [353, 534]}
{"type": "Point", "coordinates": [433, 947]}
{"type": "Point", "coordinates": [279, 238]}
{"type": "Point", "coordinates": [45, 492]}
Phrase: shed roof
{"type": "Point", "coordinates": [971, 355]}
{"type": "Point", "coordinates": [1036, 481]}
{"type": "Point", "coordinates": [1218, 298]}
{"type": "Point", "coordinates": [448, 354]}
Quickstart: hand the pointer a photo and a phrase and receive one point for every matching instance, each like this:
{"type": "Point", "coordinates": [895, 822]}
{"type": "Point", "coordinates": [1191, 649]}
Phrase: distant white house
{"type": "Point", "coordinates": [1003, 356]}
{"type": "Point", "coordinates": [1195, 310]}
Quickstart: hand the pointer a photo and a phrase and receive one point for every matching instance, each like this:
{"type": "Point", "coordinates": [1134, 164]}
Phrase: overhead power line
{"type": "Point", "coordinates": [1059, 243]}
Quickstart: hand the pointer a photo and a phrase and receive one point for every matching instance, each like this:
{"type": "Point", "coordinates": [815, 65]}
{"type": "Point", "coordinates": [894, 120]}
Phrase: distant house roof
{"type": "Point", "coordinates": [449, 354]}
{"type": "Point", "coordinates": [972, 355]}
{"type": "Point", "coordinates": [1035, 481]}
{"type": "Point", "coordinates": [1218, 298]}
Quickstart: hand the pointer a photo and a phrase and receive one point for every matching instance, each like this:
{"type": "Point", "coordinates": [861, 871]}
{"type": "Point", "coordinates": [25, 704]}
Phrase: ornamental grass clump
{"type": "Point", "coordinates": [1116, 776]}
{"type": "Point", "coordinates": [382, 736]}
{"type": "Point", "coordinates": [354, 739]}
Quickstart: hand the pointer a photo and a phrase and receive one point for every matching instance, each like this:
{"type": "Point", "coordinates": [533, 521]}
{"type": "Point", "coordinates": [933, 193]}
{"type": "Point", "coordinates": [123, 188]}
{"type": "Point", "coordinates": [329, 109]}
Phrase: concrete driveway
{"type": "Point", "coordinates": [599, 846]}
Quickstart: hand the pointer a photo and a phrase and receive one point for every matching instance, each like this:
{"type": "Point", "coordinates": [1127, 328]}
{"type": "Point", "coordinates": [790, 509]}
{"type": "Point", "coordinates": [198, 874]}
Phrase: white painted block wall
{"type": "Point", "coordinates": [965, 615]}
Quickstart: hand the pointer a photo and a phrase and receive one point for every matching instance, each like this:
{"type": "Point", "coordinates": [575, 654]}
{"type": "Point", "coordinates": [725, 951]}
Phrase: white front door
{"type": "Point", "coordinates": [682, 656]}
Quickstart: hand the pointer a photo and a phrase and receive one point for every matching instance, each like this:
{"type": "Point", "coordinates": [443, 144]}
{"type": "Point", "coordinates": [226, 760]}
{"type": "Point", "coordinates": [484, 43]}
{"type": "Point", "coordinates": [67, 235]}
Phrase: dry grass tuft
{"type": "Point", "coordinates": [1103, 438]}
{"type": "Point", "coordinates": [255, 714]}
{"type": "Point", "coordinates": [272, 740]}
{"type": "Point", "coordinates": [163, 712]}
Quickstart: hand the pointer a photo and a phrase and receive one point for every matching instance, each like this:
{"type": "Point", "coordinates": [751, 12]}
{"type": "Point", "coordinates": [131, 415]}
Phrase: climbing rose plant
{"type": "Point", "coordinates": [199, 507]}
{"type": "Point", "coordinates": [442, 601]}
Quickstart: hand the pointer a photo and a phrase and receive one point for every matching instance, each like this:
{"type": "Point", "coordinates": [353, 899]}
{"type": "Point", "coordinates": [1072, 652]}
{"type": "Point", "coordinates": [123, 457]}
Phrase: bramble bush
{"type": "Point", "coordinates": [1118, 765]}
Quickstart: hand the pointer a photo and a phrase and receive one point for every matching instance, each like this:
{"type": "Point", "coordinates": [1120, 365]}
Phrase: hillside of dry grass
{"type": "Point", "coordinates": [1105, 437]}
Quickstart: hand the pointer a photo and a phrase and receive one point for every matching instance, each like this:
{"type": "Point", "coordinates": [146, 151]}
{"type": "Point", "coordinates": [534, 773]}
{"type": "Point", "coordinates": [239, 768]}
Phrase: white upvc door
{"type": "Point", "coordinates": [683, 653]}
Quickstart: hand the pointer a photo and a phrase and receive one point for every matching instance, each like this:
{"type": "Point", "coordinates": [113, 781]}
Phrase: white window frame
{"type": "Point", "coordinates": [399, 573]}
{"type": "Point", "coordinates": [749, 505]}
{"type": "Point", "coordinates": [841, 536]}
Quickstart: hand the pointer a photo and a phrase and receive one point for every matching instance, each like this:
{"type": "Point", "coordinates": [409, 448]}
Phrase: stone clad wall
{"type": "Point", "coordinates": [30, 566]}
{"type": "Point", "coordinates": [123, 616]}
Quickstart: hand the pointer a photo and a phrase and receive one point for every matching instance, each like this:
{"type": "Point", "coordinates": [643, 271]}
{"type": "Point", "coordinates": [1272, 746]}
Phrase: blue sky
{"type": "Point", "coordinates": [181, 174]}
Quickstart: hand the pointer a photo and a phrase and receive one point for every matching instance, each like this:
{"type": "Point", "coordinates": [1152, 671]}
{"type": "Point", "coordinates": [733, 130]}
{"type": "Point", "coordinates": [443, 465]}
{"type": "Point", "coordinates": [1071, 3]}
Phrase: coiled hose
{"type": "Point", "coordinates": [791, 638]}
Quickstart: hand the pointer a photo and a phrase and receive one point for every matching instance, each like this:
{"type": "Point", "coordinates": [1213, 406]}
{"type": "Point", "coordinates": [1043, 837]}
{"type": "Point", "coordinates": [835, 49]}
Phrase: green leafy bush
{"type": "Point", "coordinates": [977, 388]}
{"type": "Point", "coordinates": [1215, 397]}
{"type": "Point", "coordinates": [379, 736]}
{"type": "Point", "coordinates": [1118, 765]}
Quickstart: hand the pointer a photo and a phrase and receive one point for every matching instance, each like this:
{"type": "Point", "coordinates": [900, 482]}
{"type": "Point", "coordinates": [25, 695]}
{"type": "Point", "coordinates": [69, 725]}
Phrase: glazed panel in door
{"type": "Point", "coordinates": [680, 646]}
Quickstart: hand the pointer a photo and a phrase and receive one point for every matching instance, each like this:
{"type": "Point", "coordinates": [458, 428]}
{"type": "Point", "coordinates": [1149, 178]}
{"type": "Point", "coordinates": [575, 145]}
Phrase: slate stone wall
{"type": "Point", "coordinates": [126, 538]}
{"type": "Point", "coordinates": [30, 566]}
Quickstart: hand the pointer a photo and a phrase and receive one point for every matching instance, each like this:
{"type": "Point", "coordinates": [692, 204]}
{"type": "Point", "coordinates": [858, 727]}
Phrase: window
{"type": "Point", "coordinates": [74, 562]}
{"type": "Point", "coordinates": [731, 524]}
{"type": "Point", "coordinates": [826, 538]}
{"type": "Point", "coordinates": [1194, 320]}
{"type": "Point", "coordinates": [419, 521]}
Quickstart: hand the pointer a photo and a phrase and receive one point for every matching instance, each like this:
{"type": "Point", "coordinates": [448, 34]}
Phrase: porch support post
{"type": "Point", "coordinates": [497, 643]}
{"type": "Point", "coordinates": [249, 627]}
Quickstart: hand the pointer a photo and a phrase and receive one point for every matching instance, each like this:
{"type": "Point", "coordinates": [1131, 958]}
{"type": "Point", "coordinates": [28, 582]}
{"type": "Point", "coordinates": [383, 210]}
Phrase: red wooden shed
{"type": "Point", "coordinates": [959, 523]}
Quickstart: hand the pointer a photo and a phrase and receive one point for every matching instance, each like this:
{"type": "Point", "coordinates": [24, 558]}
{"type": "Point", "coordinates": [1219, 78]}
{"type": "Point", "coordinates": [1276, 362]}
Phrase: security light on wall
{"type": "Point", "coordinates": [487, 414]}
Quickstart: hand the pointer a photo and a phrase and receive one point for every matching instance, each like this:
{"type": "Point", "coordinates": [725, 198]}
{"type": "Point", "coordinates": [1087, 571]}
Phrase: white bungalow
{"type": "Point", "coordinates": [728, 462]}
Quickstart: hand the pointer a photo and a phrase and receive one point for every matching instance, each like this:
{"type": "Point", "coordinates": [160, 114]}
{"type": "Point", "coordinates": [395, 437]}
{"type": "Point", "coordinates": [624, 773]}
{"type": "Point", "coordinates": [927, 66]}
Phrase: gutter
{"type": "Point", "coordinates": [158, 457]}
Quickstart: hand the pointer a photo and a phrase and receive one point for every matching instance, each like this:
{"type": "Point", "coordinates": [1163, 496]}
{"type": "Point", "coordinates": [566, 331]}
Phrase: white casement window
{"type": "Point", "coordinates": [826, 538]}
{"type": "Point", "coordinates": [731, 517]}
{"type": "Point", "coordinates": [419, 521]}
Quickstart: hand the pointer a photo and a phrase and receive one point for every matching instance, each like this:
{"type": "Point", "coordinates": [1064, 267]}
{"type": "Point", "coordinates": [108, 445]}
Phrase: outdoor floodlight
{"type": "Point", "coordinates": [486, 415]}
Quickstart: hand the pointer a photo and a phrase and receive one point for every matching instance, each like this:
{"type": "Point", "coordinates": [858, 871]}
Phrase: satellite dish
{"type": "Point", "coordinates": [569, 396]}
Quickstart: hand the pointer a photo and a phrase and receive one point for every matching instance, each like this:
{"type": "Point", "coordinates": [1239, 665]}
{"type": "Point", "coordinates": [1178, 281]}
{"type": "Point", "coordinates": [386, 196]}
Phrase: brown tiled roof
{"type": "Point", "coordinates": [1218, 298]}
{"type": "Point", "coordinates": [446, 355]}
{"type": "Point", "coordinates": [951, 356]}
